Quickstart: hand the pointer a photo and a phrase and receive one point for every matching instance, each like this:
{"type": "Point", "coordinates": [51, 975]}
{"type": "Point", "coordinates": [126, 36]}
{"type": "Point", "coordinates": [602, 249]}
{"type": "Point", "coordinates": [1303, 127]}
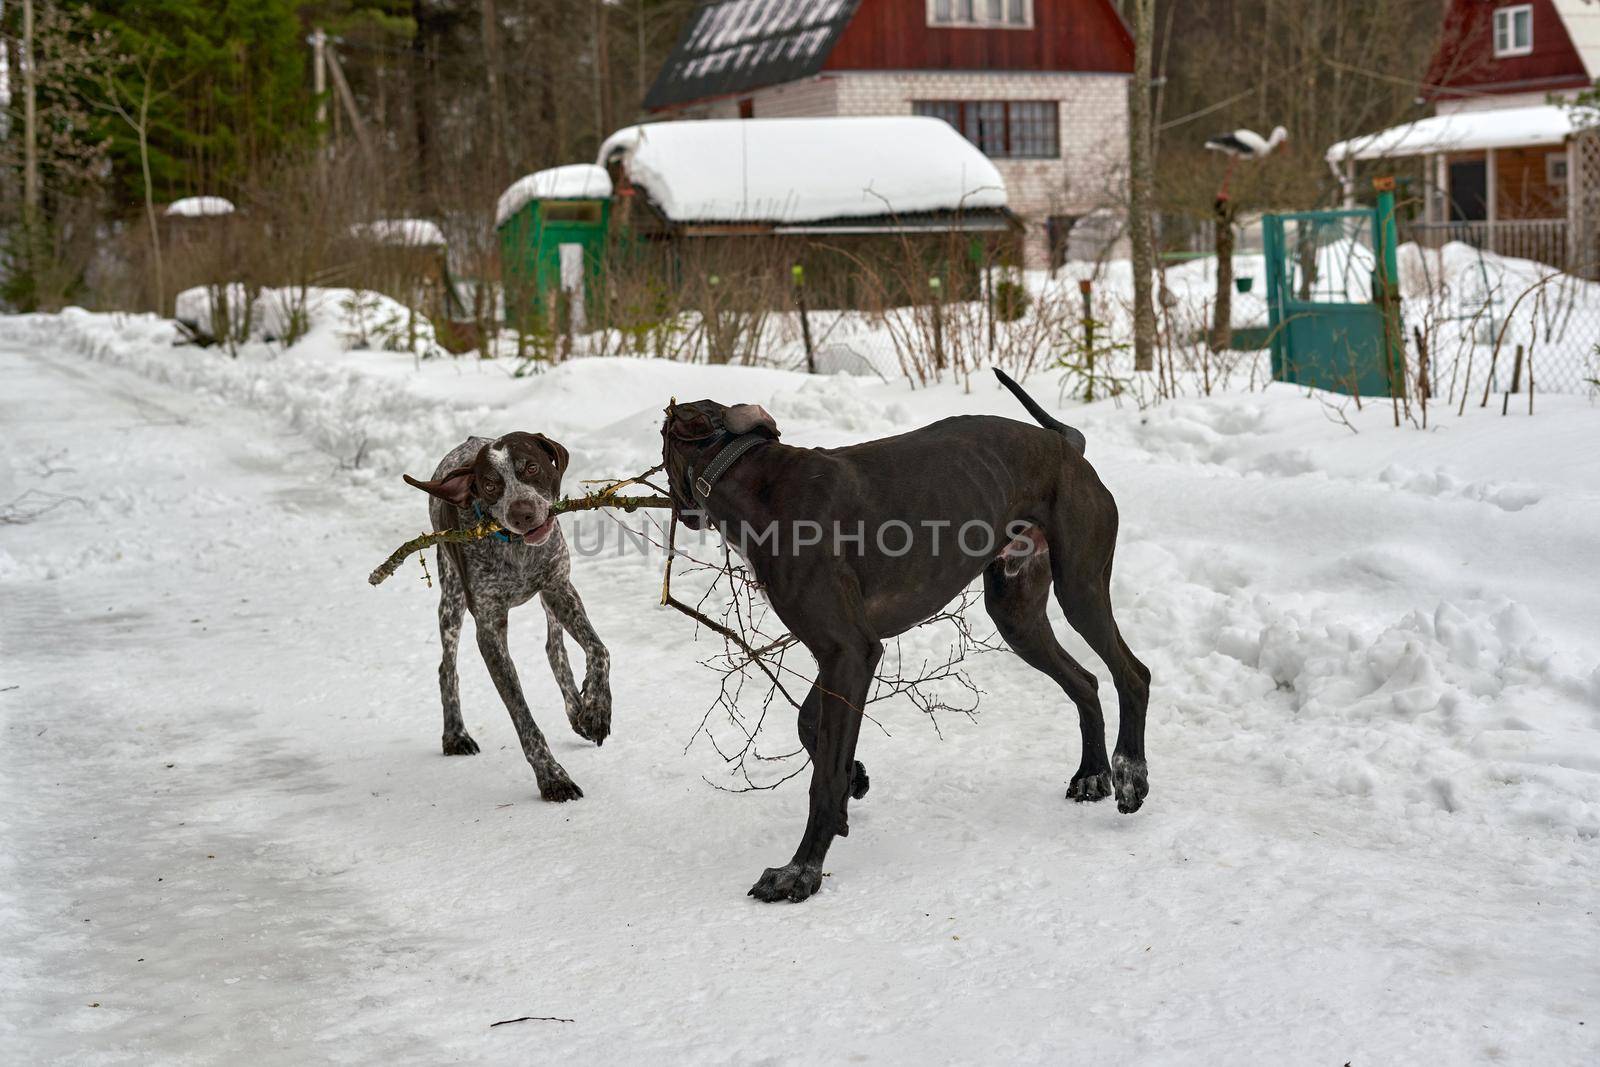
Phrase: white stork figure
{"type": "Point", "coordinates": [1245, 144]}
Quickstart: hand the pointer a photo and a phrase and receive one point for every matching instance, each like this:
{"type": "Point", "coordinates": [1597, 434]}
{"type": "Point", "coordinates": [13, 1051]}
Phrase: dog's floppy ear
{"type": "Point", "coordinates": [689, 424]}
{"type": "Point", "coordinates": [558, 453]}
{"type": "Point", "coordinates": [743, 418]}
{"type": "Point", "coordinates": [453, 488]}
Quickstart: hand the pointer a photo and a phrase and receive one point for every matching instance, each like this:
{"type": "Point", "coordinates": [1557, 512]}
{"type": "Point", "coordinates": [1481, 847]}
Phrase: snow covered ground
{"type": "Point", "coordinates": [226, 830]}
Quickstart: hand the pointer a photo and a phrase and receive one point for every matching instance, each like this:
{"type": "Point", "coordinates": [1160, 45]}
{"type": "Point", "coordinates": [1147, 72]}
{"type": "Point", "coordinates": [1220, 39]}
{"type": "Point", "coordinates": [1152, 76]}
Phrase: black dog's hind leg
{"type": "Point", "coordinates": [809, 710]}
{"type": "Point", "coordinates": [1016, 602]}
{"type": "Point", "coordinates": [1086, 600]}
{"type": "Point", "coordinates": [452, 607]}
{"type": "Point", "coordinates": [554, 784]}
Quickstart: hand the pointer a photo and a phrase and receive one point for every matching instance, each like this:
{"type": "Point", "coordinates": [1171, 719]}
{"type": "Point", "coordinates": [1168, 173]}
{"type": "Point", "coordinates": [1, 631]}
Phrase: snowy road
{"type": "Point", "coordinates": [226, 831]}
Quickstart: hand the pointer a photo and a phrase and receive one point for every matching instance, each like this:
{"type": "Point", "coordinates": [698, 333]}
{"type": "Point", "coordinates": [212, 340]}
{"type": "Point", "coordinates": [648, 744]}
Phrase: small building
{"type": "Point", "coordinates": [552, 226]}
{"type": "Point", "coordinates": [1506, 161]}
{"type": "Point", "coordinates": [826, 194]}
{"type": "Point", "coordinates": [1039, 86]}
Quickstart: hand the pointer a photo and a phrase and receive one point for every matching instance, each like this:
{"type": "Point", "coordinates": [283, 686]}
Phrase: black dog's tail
{"type": "Point", "coordinates": [1074, 437]}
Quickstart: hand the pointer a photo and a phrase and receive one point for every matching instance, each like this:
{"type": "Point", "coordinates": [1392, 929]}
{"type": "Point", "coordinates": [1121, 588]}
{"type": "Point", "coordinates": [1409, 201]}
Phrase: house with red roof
{"type": "Point", "coordinates": [1508, 161]}
{"type": "Point", "coordinates": [1039, 86]}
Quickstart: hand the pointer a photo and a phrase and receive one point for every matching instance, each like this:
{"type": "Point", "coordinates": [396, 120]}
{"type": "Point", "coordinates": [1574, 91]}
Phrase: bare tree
{"type": "Point", "coordinates": [1140, 186]}
{"type": "Point", "coordinates": [30, 121]}
{"type": "Point", "coordinates": [137, 116]}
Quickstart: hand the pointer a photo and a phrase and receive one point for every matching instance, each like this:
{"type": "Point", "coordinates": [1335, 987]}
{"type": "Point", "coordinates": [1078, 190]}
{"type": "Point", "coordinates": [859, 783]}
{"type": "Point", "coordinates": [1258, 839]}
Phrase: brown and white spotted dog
{"type": "Point", "coordinates": [513, 480]}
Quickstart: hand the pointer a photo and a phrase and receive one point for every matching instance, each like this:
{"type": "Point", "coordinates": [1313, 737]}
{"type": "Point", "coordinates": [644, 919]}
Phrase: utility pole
{"type": "Point", "coordinates": [497, 106]}
{"type": "Point", "coordinates": [30, 121]}
{"type": "Point", "coordinates": [1140, 181]}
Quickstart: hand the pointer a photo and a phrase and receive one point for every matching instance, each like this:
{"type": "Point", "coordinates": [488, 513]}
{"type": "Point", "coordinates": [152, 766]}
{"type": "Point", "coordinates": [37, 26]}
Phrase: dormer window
{"type": "Point", "coordinates": [981, 14]}
{"type": "Point", "coordinates": [1513, 30]}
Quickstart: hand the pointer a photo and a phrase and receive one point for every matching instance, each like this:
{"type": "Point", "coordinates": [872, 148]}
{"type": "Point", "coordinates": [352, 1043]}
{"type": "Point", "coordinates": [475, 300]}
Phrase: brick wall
{"type": "Point", "coordinates": [1094, 129]}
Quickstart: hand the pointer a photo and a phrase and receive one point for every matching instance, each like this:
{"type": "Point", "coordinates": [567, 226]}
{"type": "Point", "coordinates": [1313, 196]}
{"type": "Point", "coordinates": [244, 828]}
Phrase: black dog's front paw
{"type": "Point", "coordinates": [1090, 787]}
{"type": "Point", "coordinates": [593, 720]}
{"type": "Point", "coordinates": [1132, 777]}
{"type": "Point", "coordinates": [793, 882]}
{"type": "Point", "coordinates": [459, 745]}
{"type": "Point", "coordinates": [859, 782]}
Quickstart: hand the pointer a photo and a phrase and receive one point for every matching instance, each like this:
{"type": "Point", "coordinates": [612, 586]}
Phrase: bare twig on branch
{"type": "Point", "coordinates": [748, 644]}
{"type": "Point", "coordinates": [33, 504]}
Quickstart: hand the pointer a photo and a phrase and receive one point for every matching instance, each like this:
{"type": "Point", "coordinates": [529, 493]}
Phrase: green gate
{"type": "Point", "coordinates": [1333, 299]}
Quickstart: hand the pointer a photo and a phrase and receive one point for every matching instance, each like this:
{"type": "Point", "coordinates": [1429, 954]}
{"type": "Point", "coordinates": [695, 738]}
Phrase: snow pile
{"type": "Point", "coordinates": [340, 407]}
{"type": "Point", "coordinates": [805, 170]}
{"type": "Point", "coordinates": [411, 233]}
{"type": "Point", "coordinates": [355, 318]}
{"type": "Point", "coordinates": [575, 181]}
{"type": "Point", "coordinates": [196, 207]}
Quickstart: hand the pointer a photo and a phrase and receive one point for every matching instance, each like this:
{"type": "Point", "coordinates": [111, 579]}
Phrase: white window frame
{"type": "Point", "coordinates": [1555, 169]}
{"type": "Point", "coordinates": [1505, 31]}
{"type": "Point", "coordinates": [980, 19]}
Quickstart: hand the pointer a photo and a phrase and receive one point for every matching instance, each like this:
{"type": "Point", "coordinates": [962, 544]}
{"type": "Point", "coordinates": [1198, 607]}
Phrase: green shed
{"type": "Point", "coordinates": [552, 227]}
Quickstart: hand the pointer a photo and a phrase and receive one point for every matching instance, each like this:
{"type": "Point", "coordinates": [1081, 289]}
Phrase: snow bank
{"type": "Point", "coordinates": [414, 233]}
{"type": "Point", "coordinates": [355, 318]}
{"type": "Point", "coordinates": [195, 207]}
{"type": "Point", "coordinates": [805, 170]}
{"type": "Point", "coordinates": [576, 181]}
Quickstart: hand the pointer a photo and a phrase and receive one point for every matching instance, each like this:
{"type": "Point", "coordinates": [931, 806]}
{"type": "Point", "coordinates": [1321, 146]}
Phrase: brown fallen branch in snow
{"type": "Point", "coordinates": [601, 498]}
{"type": "Point", "coordinates": [532, 1019]}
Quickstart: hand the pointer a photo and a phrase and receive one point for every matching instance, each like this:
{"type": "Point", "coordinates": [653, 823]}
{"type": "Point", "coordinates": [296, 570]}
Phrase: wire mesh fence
{"type": "Point", "coordinates": [1502, 307]}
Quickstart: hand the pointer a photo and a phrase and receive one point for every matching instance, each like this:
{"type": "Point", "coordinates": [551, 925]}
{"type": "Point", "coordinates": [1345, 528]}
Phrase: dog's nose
{"type": "Point", "coordinates": [525, 516]}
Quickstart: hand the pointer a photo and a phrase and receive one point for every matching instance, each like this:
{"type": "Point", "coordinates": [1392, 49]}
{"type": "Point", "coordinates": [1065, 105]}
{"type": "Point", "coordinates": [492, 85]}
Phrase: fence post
{"type": "Point", "coordinates": [936, 286]}
{"type": "Point", "coordinates": [798, 273]}
{"type": "Point", "coordinates": [1086, 287]}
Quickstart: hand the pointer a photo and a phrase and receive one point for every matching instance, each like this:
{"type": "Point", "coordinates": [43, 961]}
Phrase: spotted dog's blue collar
{"type": "Point", "coordinates": [499, 535]}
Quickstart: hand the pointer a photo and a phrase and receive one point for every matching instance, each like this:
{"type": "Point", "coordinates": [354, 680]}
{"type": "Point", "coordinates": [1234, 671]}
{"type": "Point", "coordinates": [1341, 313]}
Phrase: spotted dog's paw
{"type": "Point", "coordinates": [593, 719]}
{"type": "Point", "coordinates": [794, 882]}
{"type": "Point", "coordinates": [556, 787]}
{"type": "Point", "coordinates": [1132, 781]}
{"type": "Point", "coordinates": [459, 745]}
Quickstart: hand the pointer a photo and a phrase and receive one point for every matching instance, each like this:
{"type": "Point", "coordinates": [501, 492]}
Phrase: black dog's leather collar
{"type": "Point", "coordinates": [721, 462]}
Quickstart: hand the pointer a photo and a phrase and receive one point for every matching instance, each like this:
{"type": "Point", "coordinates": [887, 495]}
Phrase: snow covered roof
{"type": "Point", "coordinates": [805, 170]}
{"type": "Point", "coordinates": [732, 46]}
{"type": "Point", "coordinates": [414, 233]}
{"type": "Point", "coordinates": [576, 181]}
{"type": "Point", "coordinates": [196, 207]}
{"type": "Point", "coordinates": [1463, 131]}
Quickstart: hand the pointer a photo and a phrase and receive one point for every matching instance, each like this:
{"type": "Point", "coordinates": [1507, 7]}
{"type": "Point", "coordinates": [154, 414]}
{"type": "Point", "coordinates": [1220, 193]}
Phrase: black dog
{"type": "Point", "coordinates": [1013, 502]}
{"type": "Point", "coordinates": [513, 480]}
